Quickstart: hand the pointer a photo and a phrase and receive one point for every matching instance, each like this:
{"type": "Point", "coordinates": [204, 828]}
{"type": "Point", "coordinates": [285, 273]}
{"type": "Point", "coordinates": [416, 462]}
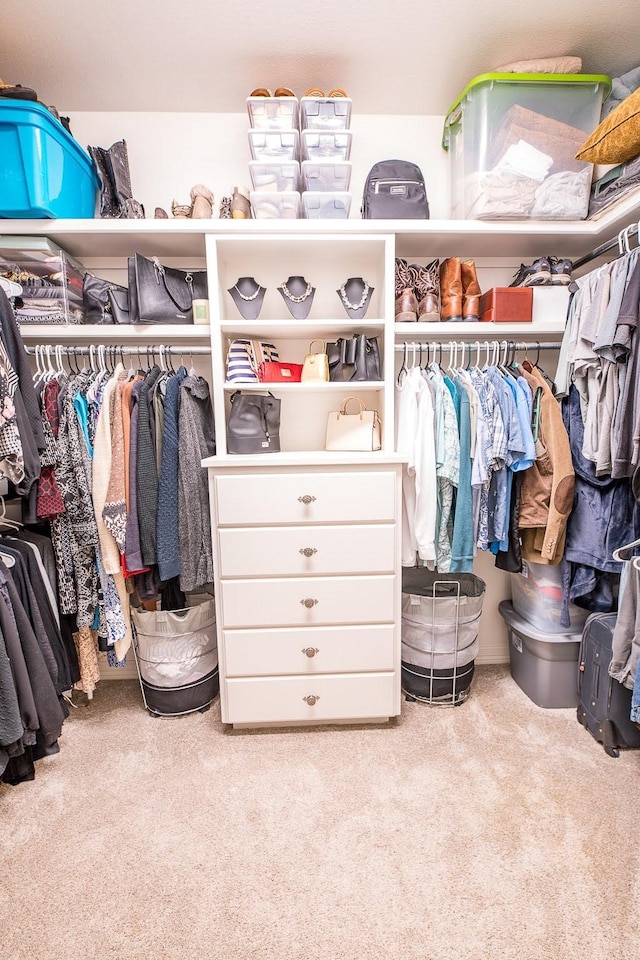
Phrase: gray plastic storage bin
{"type": "Point", "coordinates": [544, 665]}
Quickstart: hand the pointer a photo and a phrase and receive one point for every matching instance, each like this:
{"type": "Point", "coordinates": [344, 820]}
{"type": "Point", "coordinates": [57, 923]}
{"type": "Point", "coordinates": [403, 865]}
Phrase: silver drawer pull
{"type": "Point", "coordinates": [306, 499]}
{"type": "Point", "coordinates": [310, 651]}
{"type": "Point", "coordinates": [308, 551]}
{"type": "Point", "coordinates": [308, 603]}
{"type": "Point", "coordinates": [311, 699]}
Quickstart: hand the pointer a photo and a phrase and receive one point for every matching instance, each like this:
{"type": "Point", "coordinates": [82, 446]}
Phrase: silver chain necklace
{"type": "Point", "coordinates": [244, 296]}
{"type": "Point", "coordinates": [290, 296]}
{"type": "Point", "coordinates": [362, 301]}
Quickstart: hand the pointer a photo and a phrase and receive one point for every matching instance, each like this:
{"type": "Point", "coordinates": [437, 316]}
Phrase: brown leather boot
{"type": "Point", "coordinates": [426, 285]}
{"type": "Point", "coordinates": [451, 290]}
{"type": "Point", "coordinates": [470, 291]}
{"type": "Point", "coordinates": [406, 303]}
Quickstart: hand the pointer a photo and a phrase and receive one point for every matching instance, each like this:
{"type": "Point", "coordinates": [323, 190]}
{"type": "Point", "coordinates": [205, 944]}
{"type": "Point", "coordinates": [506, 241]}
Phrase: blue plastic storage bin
{"type": "Point", "coordinates": [44, 172]}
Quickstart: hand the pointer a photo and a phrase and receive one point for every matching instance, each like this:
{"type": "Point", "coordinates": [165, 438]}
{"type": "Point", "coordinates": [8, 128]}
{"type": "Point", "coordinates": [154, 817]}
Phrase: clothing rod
{"type": "Point", "coordinates": [617, 241]}
{"type": "Point", "coordinates": [116, 349]}
{"type": "Point", "coordinates": [472, 344]}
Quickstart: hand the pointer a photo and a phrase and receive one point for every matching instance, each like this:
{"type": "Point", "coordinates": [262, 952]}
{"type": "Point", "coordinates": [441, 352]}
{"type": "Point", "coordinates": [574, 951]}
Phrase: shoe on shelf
{"type": "Point", "coordinates": [180, 210]}
{"type": "Point", "coordinates": [560, 271]}
{"type": "Point", "coordinates": [260, 92]}
{"type": "Point", "coordinates": [451, 295]}
{"type": "Point", "coordinates": [534, 274]}
{"type": "Point", "coordinates": [470, 291]}
{"type": "Point", "coordinates": [426, 285]}
{"type": "Point", "coordinates": [337, 92]}
{"type": "Point", "coordinates": [225, 209]}
{"type": "Point", "coordinates": [315, 92]}
{"type": "Point", "coordinates": [240, 204]}
{"type": "Point", "coordinates": [284, 92]}
{"type": "Point", "coordinates": [406, 303]}
{"type": "Point", "coordinates": [201, 202]}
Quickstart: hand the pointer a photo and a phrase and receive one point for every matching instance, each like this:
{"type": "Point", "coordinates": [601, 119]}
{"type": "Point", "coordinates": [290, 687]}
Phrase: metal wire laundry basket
{"type": "Point", "coordinates": [439, 629]}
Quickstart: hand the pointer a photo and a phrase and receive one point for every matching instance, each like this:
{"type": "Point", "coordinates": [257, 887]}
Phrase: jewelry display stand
{"type": "Point", "coordinates": [248, 296]}
{"type": "Point", "coordinates": [355, 296]}
{"type": "Point", "coordinates": [297, 293]}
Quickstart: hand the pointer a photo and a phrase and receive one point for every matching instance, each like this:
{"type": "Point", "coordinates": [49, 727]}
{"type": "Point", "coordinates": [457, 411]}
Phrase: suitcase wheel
{"type": "Point", "coordinates": [611, 751]}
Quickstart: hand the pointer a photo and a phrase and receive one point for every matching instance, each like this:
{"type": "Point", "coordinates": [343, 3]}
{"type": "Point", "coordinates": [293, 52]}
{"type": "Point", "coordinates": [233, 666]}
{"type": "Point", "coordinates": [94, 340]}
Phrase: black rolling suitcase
{"type": "Point", "coordinates": [604, 705]}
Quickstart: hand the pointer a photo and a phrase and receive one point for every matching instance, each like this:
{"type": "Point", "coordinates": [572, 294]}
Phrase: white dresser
{"type": "Point", "coordinates": [308, 588]}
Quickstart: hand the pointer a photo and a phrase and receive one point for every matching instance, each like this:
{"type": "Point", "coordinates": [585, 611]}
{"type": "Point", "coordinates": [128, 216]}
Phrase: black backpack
{"type": "Point", "coordinates": [395, 190]}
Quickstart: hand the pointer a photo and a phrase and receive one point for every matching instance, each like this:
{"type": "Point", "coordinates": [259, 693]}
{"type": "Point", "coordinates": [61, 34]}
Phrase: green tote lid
{"type": "Point", "coordinates": [486, 78]}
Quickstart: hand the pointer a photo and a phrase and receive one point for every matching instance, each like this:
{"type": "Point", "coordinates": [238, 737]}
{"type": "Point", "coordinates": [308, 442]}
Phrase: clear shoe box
{"type": "Point", "coordinates": [273, 113]}
{"type": "Point", "coordinates": [325, 113]}
{"type": "Point", "coordinates": [276, 206]}
{"type": "Point", "coordinates": [317, 145]}
{"type": "Point", "coordinates": [326, 175]}
{"type": "Point", "coordinates": [279, 145]}
{"type": "Point", "coordinates": [50, 278]}
{"type": "Point", "coordinates": [326, 205]}
{"type": "Point", "coordinates": [275, 177]}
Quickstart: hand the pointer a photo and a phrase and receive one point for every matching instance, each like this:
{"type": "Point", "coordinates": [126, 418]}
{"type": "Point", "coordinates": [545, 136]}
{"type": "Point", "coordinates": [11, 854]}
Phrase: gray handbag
{"type": "Point", "coordinates": [253, 424]}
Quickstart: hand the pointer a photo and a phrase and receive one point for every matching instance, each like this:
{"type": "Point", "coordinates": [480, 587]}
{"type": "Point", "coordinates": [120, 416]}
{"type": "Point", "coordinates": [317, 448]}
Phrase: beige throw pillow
{"type": "Point", "coordinates": [617, 138]}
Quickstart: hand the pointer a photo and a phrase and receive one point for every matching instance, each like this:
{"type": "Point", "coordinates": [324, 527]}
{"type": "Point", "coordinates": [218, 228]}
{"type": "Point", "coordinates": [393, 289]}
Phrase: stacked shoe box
{"type": "Point", "coordinates": [274, 140]}
{"type": "Point", "coordinates": [326, 147]}
{"type": "Point", "coordinates": [284, 132]}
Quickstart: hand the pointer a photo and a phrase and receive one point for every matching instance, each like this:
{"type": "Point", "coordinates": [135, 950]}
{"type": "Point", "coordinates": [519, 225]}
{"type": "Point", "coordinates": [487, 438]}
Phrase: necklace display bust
{"type": "Point", "coordinates": [355, 296]}
{"type": "Point", "coordinates": [297, 293]}
{"type": "Point", "coordinates": [248, 296]}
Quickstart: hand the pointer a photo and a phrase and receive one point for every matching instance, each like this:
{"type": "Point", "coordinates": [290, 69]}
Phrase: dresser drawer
{"type": "Point", "coordinates": [291, 699]}
{"type": "Point", "coordinates": [305, 498]}
{"type": "Point", "coordinates": [259, 653]}
{"type": "Point", "coordinates": [299, 551]}
{"type": "Point", "coordinates": [313, 601]}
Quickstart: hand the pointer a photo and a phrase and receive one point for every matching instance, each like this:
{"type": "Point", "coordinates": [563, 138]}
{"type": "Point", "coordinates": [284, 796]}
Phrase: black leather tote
{"type": "Point", "coordinates": [97, 300]}
{"type": "Point", "coordinates": [357, 358]}
{"type": "Point", "coordinates": [159, 294]}
{"type": "Point", "coordinates": [253, 424]}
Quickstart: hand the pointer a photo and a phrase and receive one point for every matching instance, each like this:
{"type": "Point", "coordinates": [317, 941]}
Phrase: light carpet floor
{"type": "Point", "coordinates": [492, 830]}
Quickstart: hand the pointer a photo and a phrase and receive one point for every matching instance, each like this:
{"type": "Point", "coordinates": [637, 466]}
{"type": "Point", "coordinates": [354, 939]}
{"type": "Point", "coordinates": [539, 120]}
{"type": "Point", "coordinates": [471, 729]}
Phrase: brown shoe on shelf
{"type": "Point", "coordinates": [406, 303]}
{"type": "Point", "coordinates": [260, 92]}
{"type": "Point", "coordinates": [240, 204]}
{"type": "Point", "coordinates": [284, 92]}
{"type": "Point", "coordinates": [315, 92]}
{"type": "Point", "coordinates": [426, 284]}
{"type": "Point", "coordinates": [201, 202]}
{"type": "Point", "coordinates": [451, 290]}
{"type": "Point", "coordinates": [470, 291]}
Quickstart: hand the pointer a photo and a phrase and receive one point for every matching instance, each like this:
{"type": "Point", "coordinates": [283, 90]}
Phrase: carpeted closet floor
{"type": "Point", "coordinates": [492, 830]}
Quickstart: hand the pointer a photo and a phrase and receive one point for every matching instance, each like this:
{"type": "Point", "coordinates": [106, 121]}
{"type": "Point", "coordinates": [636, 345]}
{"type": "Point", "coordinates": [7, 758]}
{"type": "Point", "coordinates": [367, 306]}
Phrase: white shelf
{"type": "Point", "coordinates": [355, 386]}
{"type": "Point", "coordinates": [478, 331]}
{"type": "Point", "coordinates": [196, 334]}
{"type": "Point", "coordinates": [312, 329]}
{"type": "Point", "coordinates": [185, 239]}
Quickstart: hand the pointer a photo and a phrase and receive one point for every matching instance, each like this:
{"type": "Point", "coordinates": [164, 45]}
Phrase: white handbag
{"type": "Point", "coordinates": [360, 432]}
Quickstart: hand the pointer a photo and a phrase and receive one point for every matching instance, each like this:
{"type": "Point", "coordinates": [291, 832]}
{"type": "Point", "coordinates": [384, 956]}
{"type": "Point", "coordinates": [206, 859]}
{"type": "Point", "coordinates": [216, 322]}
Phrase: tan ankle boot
{"type": "Point", "coordinates": [470, 291]}
{"type": "Point", "coordinates": [451, 290]}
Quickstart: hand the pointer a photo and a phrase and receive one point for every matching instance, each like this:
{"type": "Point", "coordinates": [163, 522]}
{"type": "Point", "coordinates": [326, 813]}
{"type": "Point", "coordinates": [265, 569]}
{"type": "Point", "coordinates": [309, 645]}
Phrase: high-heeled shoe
{"type": "Point", "coordinates": [240, 204]}
{"type": "Point", "coordinates": [201, 202]}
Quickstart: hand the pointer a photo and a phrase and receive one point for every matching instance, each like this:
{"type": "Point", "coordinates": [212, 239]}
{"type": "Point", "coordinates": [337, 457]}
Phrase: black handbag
{"type": "Point", "coordinates": [395, 190]}
{"type": "Point", "coordinates": [119, 301]}
{"type": "Point", "coordinates": [159, 294]}
{"type": "Point", "coordinates": [97, 300]}
{"type": "Point", "coordinates": [357, 358]}
{"type": "Point", "coordinates": [253, 424]}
